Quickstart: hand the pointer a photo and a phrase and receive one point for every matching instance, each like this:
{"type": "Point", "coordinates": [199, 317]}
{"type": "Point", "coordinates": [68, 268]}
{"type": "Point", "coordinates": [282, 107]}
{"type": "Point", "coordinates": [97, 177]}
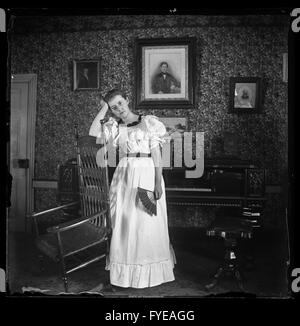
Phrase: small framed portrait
{"type": "Point", "coordinates": [86, 74]}
{"type": "Point", "coordinates": [164, 72]}
{"type": "Point", "coordinates": [245, 95]}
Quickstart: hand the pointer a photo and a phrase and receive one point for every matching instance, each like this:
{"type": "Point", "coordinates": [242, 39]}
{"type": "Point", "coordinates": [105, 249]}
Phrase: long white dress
{"type": "Point", "coordinates": [140, 251]}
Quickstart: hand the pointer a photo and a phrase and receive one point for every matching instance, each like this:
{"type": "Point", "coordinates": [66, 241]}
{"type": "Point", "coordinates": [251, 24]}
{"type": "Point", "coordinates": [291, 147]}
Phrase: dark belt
{"type": "Point", "coordinates": [138, 154]}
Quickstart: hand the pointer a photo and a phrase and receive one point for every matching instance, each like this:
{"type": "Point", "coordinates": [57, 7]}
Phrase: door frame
{"type": "Point", "coordinates": [31, 80]}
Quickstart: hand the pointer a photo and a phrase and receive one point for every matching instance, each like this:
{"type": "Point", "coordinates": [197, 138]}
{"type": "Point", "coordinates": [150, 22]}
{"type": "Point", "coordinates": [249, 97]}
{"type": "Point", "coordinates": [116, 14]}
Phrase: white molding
{"type": "Point", "coordinates": [285, 68]}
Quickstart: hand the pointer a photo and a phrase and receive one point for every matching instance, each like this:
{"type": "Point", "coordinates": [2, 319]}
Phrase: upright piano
{"type": "Point", "coordinates": [226, 182]}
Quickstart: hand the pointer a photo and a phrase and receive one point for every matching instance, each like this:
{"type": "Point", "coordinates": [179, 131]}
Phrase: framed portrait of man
{"type": "Point", "coordinates": [164, 72]}
{"type": "Point", "coordinates": [245, 95]}
{"type": "Point", "coordinates": [86, 74]}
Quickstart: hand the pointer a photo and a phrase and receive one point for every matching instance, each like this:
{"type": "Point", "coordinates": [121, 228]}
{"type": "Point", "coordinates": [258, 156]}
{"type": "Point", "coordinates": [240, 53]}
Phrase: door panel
{"type": "Point", "coordinates": [18, 152]}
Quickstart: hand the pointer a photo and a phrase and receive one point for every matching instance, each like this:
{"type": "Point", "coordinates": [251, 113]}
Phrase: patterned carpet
{"type": "Point", "coordinates": [198, 257]}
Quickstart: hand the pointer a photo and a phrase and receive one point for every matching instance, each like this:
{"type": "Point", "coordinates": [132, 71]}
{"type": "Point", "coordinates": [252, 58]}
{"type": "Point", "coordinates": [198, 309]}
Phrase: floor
{"type": "Point", "coordinates": [198, 257]}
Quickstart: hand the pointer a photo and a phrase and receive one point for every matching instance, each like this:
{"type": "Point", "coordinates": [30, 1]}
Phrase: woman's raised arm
{"type": "Point", "coordinates": [95, 127]}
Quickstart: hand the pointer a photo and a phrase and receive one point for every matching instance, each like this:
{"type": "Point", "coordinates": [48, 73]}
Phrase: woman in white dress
{"type": "Point", "coordinates": [140, 251]}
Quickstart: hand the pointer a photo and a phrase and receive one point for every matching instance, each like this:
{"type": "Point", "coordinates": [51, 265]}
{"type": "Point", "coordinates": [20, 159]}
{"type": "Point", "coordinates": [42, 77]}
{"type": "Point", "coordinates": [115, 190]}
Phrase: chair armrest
{"type": "Point", "coordinates": [51, 210]}
{"type": "Point", "coordinates": [72, 224]}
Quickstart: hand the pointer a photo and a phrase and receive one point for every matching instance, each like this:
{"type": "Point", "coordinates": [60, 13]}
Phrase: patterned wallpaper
{"type": "Point", "coordinates": [222, 50]}
{"type": "Point", "coordinates": [106, 21]}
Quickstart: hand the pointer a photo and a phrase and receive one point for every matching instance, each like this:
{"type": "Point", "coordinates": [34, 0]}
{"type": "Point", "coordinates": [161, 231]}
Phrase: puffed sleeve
{"type": "Point", "coordinates": [110, 131]}
{"type": "Point", "coordinates": [156, 130]}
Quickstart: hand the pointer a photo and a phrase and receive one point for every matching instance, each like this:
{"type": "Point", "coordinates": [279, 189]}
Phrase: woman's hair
{"type": "Point", "coordinates": [112, 93]}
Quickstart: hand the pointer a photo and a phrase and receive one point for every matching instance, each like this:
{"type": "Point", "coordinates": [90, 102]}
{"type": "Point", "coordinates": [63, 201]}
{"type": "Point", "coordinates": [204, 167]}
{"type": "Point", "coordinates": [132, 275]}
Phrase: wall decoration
{"type": "Point", "coordinates": [175, 128]}
{"type": "Point", "coordinates": [86, 74]}
{"type": "Point", "coordinates": [164, 72]}
{"type": "Point", "coordinates": [174, 124]}
{"type": "Point", "coordinates": [245, 95]}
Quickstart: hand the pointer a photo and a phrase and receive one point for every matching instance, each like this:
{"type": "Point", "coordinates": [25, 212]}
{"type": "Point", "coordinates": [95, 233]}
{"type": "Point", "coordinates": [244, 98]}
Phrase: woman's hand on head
{"type": "Point", "coordinates": [103, 105]}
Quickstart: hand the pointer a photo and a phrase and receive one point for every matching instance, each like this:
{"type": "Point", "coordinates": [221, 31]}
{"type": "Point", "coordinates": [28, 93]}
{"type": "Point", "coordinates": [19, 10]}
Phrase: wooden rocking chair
{"type": "Point", "coordinates": [76, 240]}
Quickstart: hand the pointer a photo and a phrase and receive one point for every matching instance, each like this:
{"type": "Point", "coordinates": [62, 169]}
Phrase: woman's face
{"type": "Point", "coordinates": [119, 106]}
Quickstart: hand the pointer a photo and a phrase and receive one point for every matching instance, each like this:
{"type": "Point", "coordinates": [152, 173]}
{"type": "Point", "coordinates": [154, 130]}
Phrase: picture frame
{"type": "Point", "coordinates": [175, 128]}
{"type": "Point", "coordinates": [245, 95]}
{"type": "Point", "coordinates": [164, 73]}
{"type": "Point", "coordinates": [86, 74]}
{"type": "Point", "coordinates": [174, 124]}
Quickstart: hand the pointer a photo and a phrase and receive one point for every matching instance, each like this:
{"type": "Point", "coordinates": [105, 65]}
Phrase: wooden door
{"type": "Point", "coordinates": [22, 125]}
